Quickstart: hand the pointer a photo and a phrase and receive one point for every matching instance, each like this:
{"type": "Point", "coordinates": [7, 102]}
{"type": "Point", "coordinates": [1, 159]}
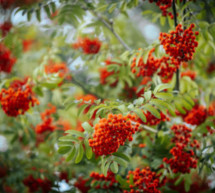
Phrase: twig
{"type": "Point", "coordinates": [177, 84]}
{"type": "Point", "coordinates": [86, 90]}
{"type": "Point", "coordinates": [110, 27]}
{"type": "Point", "coordinates": [147, 128]}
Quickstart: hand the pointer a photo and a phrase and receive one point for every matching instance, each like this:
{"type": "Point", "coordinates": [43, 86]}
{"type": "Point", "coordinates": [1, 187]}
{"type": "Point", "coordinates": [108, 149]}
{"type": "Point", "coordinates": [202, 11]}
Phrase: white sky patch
{"type": "Point", "coordinates": [151, 32]}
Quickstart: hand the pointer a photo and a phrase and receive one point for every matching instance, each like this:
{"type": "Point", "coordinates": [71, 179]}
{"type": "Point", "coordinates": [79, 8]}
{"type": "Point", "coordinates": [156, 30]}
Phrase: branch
{"type": "Point", "coordinates": [145, 127]}
{"type": "Point", "coordinates": [110, 27]}
{"type": "Point", "coordinates": [86, 90]}
{"type": "Point", "coordinates": [177, 84]}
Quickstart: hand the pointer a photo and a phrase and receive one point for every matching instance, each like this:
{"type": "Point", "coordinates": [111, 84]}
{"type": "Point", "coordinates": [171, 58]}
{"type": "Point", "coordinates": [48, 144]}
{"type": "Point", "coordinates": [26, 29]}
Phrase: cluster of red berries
{"type": "Point", "coordinates": [60, 68]}
{"type": "Point", "coordinates": [189, 73]}
{"type": "Point", "coordinates": [183, 160]}
{"type": "Point", "coordinates": [80, 184]}
{"type": "Point", "coordinates": [88, 46]}
{"type": "Point", "coordinates": [145, 181]}
{"type": "Point", "coordinates": [196, 116]}
{"type": "Point", "coordinates": [180, 44]}
{"type": "Point", "coordinates": [109, 179]}
{"type": "Point", "coordinates": [18, 98]}
{"type": "Point", "coordinates": [36, 184]}
{"type": "Point", "coordinates": [112, 132]}
{"type": "Point", "coordinates": [152, 120]}
{"type": "Point", "coordinates": [47, 124]}
{"type": "Point", "coordinates": [105, 74]}
{"type": "Point", "coordinates": [6, 59]}
{"type": "Point", "coordinates": [147, 69]}
{"type": "Point", "coordinates": [5, 4]}
{"type": "Point", "coordinates": [5, 28]}
{"type": "Point", "coordinates": [165, 66]}
{"type": "Point", "coordinates": [164, 5]}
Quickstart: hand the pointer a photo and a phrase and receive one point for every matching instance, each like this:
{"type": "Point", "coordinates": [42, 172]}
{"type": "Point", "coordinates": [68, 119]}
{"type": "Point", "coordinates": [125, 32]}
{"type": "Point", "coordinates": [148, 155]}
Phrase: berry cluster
{"type": "Point", "coordinates": [196, 115]}
{"type": "Point", "coordinates": [6, 59]}
{"type": "Point", "coordinates": [5, 28]}
{"type": "Point", "coordinates": [145, 181]}
{"type": "Point", "coordinates": [112, 132]}
{"type": "Point", "coordinates": [109, 179]}
{"type": "Point", "coordinates": [88, 46]}
{"type": "Point", "coordinates": [37, 184]}
{"type": "Point", "coordinates": [147, 69]}
{"type": "Point", "coordinates": [180, 44]}
{"type": "Point", "coordinates": [80, 184]}
{"type": "Point", "coordinates": [105, 74]}
{"type": "Point", "coordinates": [189, 73]}
{"type": "Point", "coordinates": [164, 66]}
{"type": "Point", "coordinates": [182, 159]}
{"type": "Point", "coordinates": [47, 124]}
{"type": "Point", "coordinates": [6, 4]}
{"type": "Point", "coordinates": [152, 120]}
{"type": "Point", "coordinates": [164, 5]}
{"type": "Point", "coordinates": [18, 98]}
{"type": "Point", "coordinates": [60, 68]}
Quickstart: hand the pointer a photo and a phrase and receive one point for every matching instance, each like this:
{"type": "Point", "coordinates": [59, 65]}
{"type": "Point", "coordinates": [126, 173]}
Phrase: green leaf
{"type": "Point", "coordinates": [152, 110]}
{"type": "Point", "coordinates": [89, 151]}
{"type": "Point", "coordinates": [71, 154]}
{"type": "Point", "coordinates": [163, 95]}
{"type": "Point", "coordinates": [47, 10]}
{"type": "Point", "coordinates": [87, 127]}
{"type": "Point", "coordinates": [38, 15]}
{"type": "Point", "coordinates": [122, 155]}
{"type": "Point", "coordinates": [64, 149]}
{"type": "Point", "coordinates": [29, 15]}
{"type": "Point", "coordinates": [106, 168]}
{"type": "Point", "coordinates": [53, 7]}
{"type": "Point", "coordinates": [80, 153]}
{"type": "Point", "coordinates": [114, 167]}
{"type": "Point", "coordinates": [162, 20]}
{"type": "Point", "coordinates": [74, 132]}
{"type": "Point", "coordinates": [82, 108]}
{"type": "Point", "coordinates": [148, 95]}
{"type": "Point", "coordinates": [140, 114]}
{"type": "Point", "coordinates": [120, 161]}
{"type": "Point", "coordinates": [162, 87]}
{"type": "Point", "coordinates": [68, 138]}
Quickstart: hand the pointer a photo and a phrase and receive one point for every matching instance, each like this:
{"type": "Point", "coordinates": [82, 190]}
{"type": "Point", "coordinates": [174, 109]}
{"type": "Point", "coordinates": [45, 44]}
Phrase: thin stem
{"type": "Point", "coordinates": [177, 84]}
{"type": "Point", "coordinates": [110, 27]}
{"type": "Point", "coordinates": [145, 127]}
{"type": "Point", "coordinates": [86, 90]}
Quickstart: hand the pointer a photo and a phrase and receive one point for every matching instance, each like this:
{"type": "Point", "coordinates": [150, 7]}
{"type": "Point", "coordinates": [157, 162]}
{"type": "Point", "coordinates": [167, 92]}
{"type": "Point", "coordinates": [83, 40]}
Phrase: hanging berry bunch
{"type": "Point", "coordinates": [88, 46]}
{"type": "Point", "coordinates": [6, 59]}
{"type": "Point", "coordinates": [183, 156]}
{"type": "Point", "coordinates": [144, 180]}
{"type": "Point", "coordinates": [110, 133]}
{"type": "Point", "coordinates": [18, 98]}
{"type": "Point", "coordinates": [180, 44]}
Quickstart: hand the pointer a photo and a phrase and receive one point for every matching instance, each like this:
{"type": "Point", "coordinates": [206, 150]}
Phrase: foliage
{"type": "Point", "coordinates": [88, 99]}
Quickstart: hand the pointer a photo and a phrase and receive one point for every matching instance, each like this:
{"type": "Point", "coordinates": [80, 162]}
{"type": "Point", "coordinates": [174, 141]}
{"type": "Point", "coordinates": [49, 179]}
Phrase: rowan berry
{"type": "Point", "coordinates": [47, 124]}
{"type": "Point", "coordinates": [189, 73]}
{"type": "Point", "coordinates": [88, 46]}
{"type": "Point", "coordinates": [183, 160]}
{"type": "Point", "coordinates": [180, 44]}
{"type": "Point", "coordinates": [144, 181]}
{"type": "Point", "coordinates": [5, 28]}
{"type": "Point", "coordinates": [18, 98]}
{"type": "Point", "coordinates": [6, 59]}
{"type": "Point", "coordinates": [109, 179]}
{"type": "Point", "coordinates": [110, 133]}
